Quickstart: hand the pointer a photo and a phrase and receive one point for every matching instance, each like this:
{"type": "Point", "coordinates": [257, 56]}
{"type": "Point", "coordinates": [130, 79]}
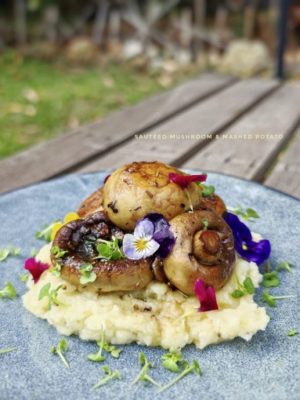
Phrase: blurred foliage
{"type": "Point", "coordinates": [40, 99]}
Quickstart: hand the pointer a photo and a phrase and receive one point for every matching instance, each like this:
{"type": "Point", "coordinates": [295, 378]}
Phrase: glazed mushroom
{"type": "Point", "coordinates": [139, 188]}
{"type": "Point", "coordinates": [78, 238]}
{"type": "Point", "coordinates": [214, 203]}
{"type": "Point", "coordinates": [203, 249]}
{"type": "Point", "coordinates": [91, 204]}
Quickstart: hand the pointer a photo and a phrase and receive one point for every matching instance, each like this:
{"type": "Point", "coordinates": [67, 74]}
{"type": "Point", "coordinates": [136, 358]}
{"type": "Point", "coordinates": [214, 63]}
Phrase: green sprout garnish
{"type": "Point", "coordinates": [8, 292]}
{"type": "Point", "coordinates": [205, 224]}
{"type": "Point", "coordinates": [45, 233]}
{"type": "Point", "coordinates": [172, 361]}
{"type": "Point", "coordinates": [284, 265]}
{"type": "Point", "coordinates": [143, 374]}
{"type": "Point", "coordinates": [61, 348]}
{"type": "Point", "coordinates": [271, 279]}
{"type": "Point", "coordinates": [23, 277]}
{"type": "Point", "coordinates": [266, 297]}
{"type": "Point", "coordinates": [188, 368]}
{"type": "Point", "coordinates": [56, 269]}
{"type": "Point", "coordinates": [8, 350]}
{"type": "Point", "coordinates": [293, 332]}
{"type": "Point", "coordinates": [58, 253]}
{"type": "Point", "coordinates": [207, 190]}
{"type": "Point", "coordinates": [9, 251]}
{"type": "Point", "coordinates": [243, 289]}
{"type": "Point", "coordinates": [87, 274]}
{"type": "Point", "coordinates": [103, 345]}
{"type": "Point", "coordinates": [51, 294]}
{"type": "Point", "coordinates": [109, 250]}
{"type": "Point", "coordinates": [109, 375]}
{"type": "Point", "coordinates": [247, 215]}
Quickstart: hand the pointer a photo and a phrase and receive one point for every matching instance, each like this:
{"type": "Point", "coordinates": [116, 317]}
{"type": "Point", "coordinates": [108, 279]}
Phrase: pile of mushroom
{"type": "Point", "coordinates": [203, 248]}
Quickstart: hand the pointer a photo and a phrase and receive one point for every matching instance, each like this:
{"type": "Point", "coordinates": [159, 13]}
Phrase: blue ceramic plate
{"type": "Point", "coordinates": [265, 368]}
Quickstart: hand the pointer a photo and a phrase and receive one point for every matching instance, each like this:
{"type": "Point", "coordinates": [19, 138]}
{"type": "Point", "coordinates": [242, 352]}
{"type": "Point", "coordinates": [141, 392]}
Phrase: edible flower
{"type": "Point", "coordinates": [184, 180]}
{"type": "Point", "coordinates": [206, 296]}
{"type": "Point", "coordinates": [36, 268]}
{"type": "Point", "coordinates": [151, 234]}
{"type": "Point", "coordinates": [257, 252]}
{"type": "Point", "coordinates": [49, 231]}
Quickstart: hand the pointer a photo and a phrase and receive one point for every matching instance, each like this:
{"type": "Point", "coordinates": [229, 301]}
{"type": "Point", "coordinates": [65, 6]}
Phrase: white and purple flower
{"type": "Point", "coordinates": [151, 235]}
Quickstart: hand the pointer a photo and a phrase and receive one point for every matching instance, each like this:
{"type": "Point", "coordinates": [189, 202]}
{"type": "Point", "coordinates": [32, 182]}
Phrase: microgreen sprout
{"type": "Point", "coordinates": [293, 332]}
{"type": "Point", "coordinates": [56, 269]}
{"type": "Point", "coordinates": [9, 251]}
{"type": "Point", "coordinates": [247, 215]}
{"type": "Point", "coordinates": [8, 350]}
{"type": "Point", "coordinates": [8, 292]}
{"type": "Point", "coordinates": [143, 374]}
{"type": "Point", "coordinates": [205, 224]}
{"type": "Point", "coordinates": [104, 346]}
{"type": "Point", "coordinates": [87, 274]}
{"type": "Point", "coordinates": [23, 277]}
{"type": "Point", "coordinates": [60, 349]}
{"type": "Point", "coordinates": [266, 297]}
{"type": "Point", "coordinates": [271, 279]}
{"type": "Point", "coordinates": [187, 369]}
{"type": "Point", "coordinates": [171, 361]}
{"type": "Point", "coordinates": [109, 375]}
{"type": "Point", "coordinates": [51, 294]}
{"type": "Point", "coordinates": [243, 289]}
{"type": "Point", "coordinates": [58, 252]}
{"type": "Point", "coordinates": [109, 249]}
{"type": "Point", "coordinates": [207, 190]}
{"type": "Point", "coordinates": [284, 265]}
{"type": "Point", "coordinates": [45, 233]}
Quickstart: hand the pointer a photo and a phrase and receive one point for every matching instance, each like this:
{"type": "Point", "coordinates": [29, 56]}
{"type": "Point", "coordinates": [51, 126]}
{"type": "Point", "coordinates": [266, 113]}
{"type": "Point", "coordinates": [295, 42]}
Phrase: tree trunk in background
{"type": "Point", "coordinates": [100, 21]}
{"type": "Point", "coordinates": [20, 22]}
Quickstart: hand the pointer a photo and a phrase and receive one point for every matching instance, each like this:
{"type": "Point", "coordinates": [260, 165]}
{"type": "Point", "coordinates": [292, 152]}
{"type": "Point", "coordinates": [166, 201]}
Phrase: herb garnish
{"type": "Point", "coordinates": [8, 350]}
{"type": "Point", "coordinates": [109, 375]}
{"type": "Point", "coordinates": [51, 294]}
{"type": "Point", "coordinates": [9, 251]}
{"type": "Point", "coordinates": [8, 292]}
{"type": "Point", "coordinates": [87, 274]}
{"type": "Point", "coordinates": [266, 297]}
{"type": "Point", "coordinates": [103, 345]}
{"type": "Point", "coordinates": [243, 289]}
{"type": "Point", "coordinates": [172, 360]}
{"type": "Point", "coordinates": [109, 249]}
{"type": "Point", "coordinates": [247, 215]}
{"type": "Point", "coordinates": [207, 190]}
{"type": "Point", "coordinates": [143, 374]}
{"type": "Point", "coordinates": [23, 277]}
{"type": "Point", "coordinates": [205, 224]}
{"type": "Point", "coordinates": [56, 269]}
{"type": "Point", "coordinates": [284, 265]}
{"type": "Point", "coordinates": [58, 252]}
{"type": "Point", "coordinates": [271, 279]}
{"type": "Point", "coordinates": [188, 368]}
{"type": "Point", "coordinates": [61, 348]}
{"type": "Point", "coordinates": [293, 332]}
{"type": "Point", "coordinates": [45, 233]}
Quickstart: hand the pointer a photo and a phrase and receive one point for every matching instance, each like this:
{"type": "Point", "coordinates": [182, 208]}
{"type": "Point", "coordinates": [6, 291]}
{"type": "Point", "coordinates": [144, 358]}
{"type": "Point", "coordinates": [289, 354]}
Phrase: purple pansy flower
{"type": "Point", "coordinates": [206, 296]}
{"type": "Point", "coordinates": [257, 252]}
{"type": "Point", "coordinates": [151, 235]}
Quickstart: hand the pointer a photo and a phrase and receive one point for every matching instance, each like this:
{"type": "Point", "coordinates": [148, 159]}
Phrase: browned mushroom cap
{"type": "Point", "coordinates": [203, 249]}
{"type": "Point", "coordinates": [79, 239]}
{"type": "Point", "coordinates": [91, 204]}
{"type": "Point", "coordinates": [214, 203]}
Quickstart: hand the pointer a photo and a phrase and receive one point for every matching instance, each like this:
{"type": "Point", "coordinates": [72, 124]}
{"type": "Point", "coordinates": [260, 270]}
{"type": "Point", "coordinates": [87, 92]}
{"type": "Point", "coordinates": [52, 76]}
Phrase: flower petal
{"type": "Point", "coordinates": [131, 249]}
{"type": "Point", "coordinates": [184, 180]}
{"type": "Point", "coordinates": [151, 248]}
{"type": "Point", "coordinates": [36, 268]}
{"type": "Point", "coordinates": [206, 296]}
{"type": "Point", "coordinates": [144, 228]}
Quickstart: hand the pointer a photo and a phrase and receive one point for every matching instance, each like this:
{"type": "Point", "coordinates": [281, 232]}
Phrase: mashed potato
{"type": "Point", "coordinates": [155, 316]}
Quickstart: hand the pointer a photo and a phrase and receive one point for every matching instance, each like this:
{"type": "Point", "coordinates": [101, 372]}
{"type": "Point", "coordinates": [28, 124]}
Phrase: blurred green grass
{"type": "Point", "coordinates": [40, 99]}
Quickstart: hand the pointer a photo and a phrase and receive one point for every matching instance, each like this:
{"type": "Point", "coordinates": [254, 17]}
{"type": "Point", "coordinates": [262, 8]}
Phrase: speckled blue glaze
{"type": "Point", "coordinates": [268, 367]}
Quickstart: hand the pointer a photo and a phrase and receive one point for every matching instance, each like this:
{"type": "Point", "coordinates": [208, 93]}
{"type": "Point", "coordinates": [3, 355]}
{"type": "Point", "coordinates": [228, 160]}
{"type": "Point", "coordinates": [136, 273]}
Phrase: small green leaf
{"type": "Point", "coordinates": [266, 297]}
{"type": "Point", "coordinates": [4, 253]}
{"type": "Point", "coordinates": [188, 368]}
{"type": "Point", "coordinates": [8, 350]}
{"type": "Point", "coordinates": [284, 265]}
{"type": "Point", "coordinates": [247, 215]}
{"type": "Point", "coordinates": [252, 213]}
{"type": "Point", "coordinates": [45, 233]}
{"type": "Point", "coordinates": [56, 269]}
{"type": "Point", "coordinates": [236, 294]}
{"type": "Point", "coordinates": [110, 374]}
{"type": "Point", "coordinates": [60, 349]}
{"type": "Point", "coordinates": [248, 285]}
{"type": "Point", "coordinates": [8, 292]}
{"type": "Point", "coordinates": [171, 361]}
{"type": "Point", "coordinates": [271, 279]}
{"type": "Point", "coordinates": [109, 250]}
{"type": "Point", "coordinates": [10, 251]}
{"type": "Point", "coordinates": [44, 292]}
{"type": "Point", "coordinates": [207, 191]}
{"type": "Point", "coordinates": [205, 224]}
{"type": "Point", "coordinates": [293, 332]}
{"type": "Point", "coordinates": [58, 253]}
{"type": "Point", "coordinates": [23, 277]}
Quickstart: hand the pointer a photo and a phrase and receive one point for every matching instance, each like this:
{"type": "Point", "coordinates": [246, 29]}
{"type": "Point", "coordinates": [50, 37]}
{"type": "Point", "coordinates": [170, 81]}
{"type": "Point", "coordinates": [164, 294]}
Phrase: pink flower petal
{"type": "Point", "coordinates": [184, 180]}
{"type": "Point", "coordinates": [206, 296]}
{"type": "Point", "coordinates": [36, 268]}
